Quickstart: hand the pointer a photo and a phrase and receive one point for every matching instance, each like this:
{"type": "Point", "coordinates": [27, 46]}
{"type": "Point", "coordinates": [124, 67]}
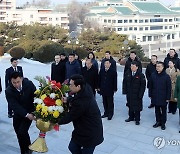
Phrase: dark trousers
{"type": "Point", "coordinates": [10, 111]}
{"type": "Point", "coordinates": [78, 149]}
{"type": "Point", "coordinates": [134, 115]}
{"type": "Point", "coordinates": [108, 103]}
{"type": "Point", "coordinates": [172, 107]}
{"type": "Point", "coordinates": [21, 127]}
{"type": "Point", "coordinates": [161, 114]}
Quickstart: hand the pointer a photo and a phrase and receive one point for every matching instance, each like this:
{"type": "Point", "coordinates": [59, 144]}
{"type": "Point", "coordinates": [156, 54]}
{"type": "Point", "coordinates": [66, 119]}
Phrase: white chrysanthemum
{"type": "Point", "coordinates": [38, 101]}
{"type": "Point", "coordinates": [50, 108]}
{"type": "Point", "coordinates": [52, 95]}
{"type": "Point", "coordinates": [60, 109]}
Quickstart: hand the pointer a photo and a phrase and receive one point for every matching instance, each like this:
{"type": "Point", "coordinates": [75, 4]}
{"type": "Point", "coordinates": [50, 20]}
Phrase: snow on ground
{"type": "Point", "coordinates": [120, 137]}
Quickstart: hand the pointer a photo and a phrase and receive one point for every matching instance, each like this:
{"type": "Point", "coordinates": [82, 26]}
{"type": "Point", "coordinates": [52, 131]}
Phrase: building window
{"type": "Point", "coordinates": [109, 21]}
{"type": "Point", "coordinates": [166, 27]}
{"type": "Point", "coordinates": [170, 27]}
{"type": "Point", "coordinates": [168, 37]}
{"type": "Point", "coordinates": [146, 28]}
{"type": "Point", "coordinates": [146, 20]}
{"type": "Point", "coordinates": [141, 21]}
{"type": "Point", "coordinates": [141, 28]}
{"type": "Point", "coordinates": [135, 21]}
{"type": "Point", "coordinates": [105, 21]}
{"type": "Point", "coordinates": [31, 16]}
{"type": "Point", "coordinates": [130, 28]}
{"type": "Point", "coordinates": [156, 27]}
{"type": "Point", "coordinates": [144, 38]}
{"type": "Point", "coordinates": [125, 21]}
{"type": "Point", "coordinates": [57, 19]}
{"type": "Point", "coordinates": [119, 21]}
{"type": "Point", "coordinates": [2, 18]}
{"type": "Point", "coordinates": [50, 19]}
{"type": "Point", "coordinates": [149, 38]}
{"type": "Point", "coordinates": [135, 28]}
{"type": "Point", "coordinates": [172, 36]}
{"type": "Point", "coordinates": [170, 20]}
{"type": "Point", "coordinates": [120, 29]}
{"type": "Point", "coordinates": [130, 21]}
{"type": "Point", "coordinates": [165, 20]}
{"type": "Point", "coordinates": [113, 21]}
{"type": "Point", "coordinates": [125, 29]}
{"type": "Point", "coordinates": [113, 29]}
{"type": "Point", "coordinates": [156, 20]}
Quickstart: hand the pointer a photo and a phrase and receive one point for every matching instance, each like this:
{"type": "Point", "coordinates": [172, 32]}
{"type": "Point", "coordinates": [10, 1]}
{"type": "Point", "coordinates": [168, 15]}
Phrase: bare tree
{"type": "Point", "coordinates": [77, 13]}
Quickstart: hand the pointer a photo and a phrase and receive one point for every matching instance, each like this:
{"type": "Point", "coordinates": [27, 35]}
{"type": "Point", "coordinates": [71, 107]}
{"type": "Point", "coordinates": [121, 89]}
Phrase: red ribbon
{"type": "Point", "coordinates": [42, 135]}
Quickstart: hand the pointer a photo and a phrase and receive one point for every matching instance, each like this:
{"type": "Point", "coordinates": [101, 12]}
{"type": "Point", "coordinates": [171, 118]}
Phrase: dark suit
{"type": "Point", "coordinates": [8, 73]}
{"type": "Point", "coordinates": [86, 118]}
{"type": "Point", "coordinates": [107, 84]}
{"type": "Point", "coordinates": [22, 104]}
{"type": "Point", "coordinates": [58, 71]}
{"type": "Point", "coordinates": [91, 77]}
{"type": "Point", "coordinates": [134, 87]}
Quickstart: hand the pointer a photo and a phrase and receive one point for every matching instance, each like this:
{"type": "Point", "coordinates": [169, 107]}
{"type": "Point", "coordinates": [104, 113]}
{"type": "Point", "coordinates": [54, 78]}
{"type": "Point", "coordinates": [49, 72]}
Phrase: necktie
{"type": "Point", "coordinates": [15, 69]}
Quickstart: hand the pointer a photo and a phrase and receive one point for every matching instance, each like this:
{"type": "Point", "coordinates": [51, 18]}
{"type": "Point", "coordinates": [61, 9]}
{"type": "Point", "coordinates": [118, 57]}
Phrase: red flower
{"type": "Point", "coordinates": [55, 84]}
{"type": "Point", "coordinates": [49, 102]}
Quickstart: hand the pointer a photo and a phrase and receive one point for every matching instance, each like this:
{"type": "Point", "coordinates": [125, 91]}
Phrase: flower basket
{"type": "Point", "coordinates": [49, 108]}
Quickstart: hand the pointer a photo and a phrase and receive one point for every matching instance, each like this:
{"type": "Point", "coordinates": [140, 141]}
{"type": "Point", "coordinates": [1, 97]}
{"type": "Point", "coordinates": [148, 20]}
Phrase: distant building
{"type": "Point", "coordinates": [147, 22]}
{"type": "Point", "coordinates": [9, 13]}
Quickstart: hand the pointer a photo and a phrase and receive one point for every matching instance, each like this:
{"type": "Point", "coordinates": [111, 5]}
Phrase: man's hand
{"type": "Point", "coordinates": [175, 99]}
{"type": "Point", "coordinates": [31, 116]}
{"type": "Point", "coordinates": [64, 99]}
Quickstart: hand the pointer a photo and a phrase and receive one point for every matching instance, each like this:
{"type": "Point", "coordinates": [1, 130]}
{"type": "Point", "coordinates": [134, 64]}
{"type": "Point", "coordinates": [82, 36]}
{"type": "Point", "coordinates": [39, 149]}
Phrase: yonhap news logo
{"type": "Point", "coordinates": [160, 142]}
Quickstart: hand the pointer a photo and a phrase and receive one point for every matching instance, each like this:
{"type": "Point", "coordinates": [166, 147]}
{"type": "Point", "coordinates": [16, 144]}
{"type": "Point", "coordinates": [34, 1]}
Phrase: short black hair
{"type": "Point", "coordinates": [133, 52]}
{"type": "Point", "coordinates": [72, 54]}
{"type": "Point", "coordinates": [62, 54]}
{"type": "Point", "coordinates": [15, 75]}
{"type": "Point", "coordinates": [13, 59]}
{"type": "Point", "coordinates": [107, 60]}
{"type": "Point", "coordinates": [160, 62]}
{"type": "Point", "coordinates": [108, 52]}
{"type": "Point", "coordinates": [173, 49]}
{"type": "Point", "coordinates": [78, 80]}
{"type": "Point", "coordinates": [134, 63]}
{"type": "Point", "coordinates": [154, 56]}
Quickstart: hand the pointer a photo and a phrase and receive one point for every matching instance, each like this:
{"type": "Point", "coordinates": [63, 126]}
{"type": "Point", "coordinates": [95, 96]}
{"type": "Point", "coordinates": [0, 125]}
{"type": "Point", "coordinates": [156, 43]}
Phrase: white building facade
{"type": "Point", "coordinates": [32, 15]}
{"type": "Point", "coordinates": [147, 22]}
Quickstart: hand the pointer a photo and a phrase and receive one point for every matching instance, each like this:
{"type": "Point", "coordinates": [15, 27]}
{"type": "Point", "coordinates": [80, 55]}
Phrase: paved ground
{"type": "Point", "coordinates": [120, 137]}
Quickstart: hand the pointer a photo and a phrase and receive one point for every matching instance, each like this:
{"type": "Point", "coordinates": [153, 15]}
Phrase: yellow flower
{"type": "Point", "coordinates": [56, 114]}
{"type": "Point", "coordinates": [38, 107]}
{"type": "Point", "coordinates": [43, 96]}
{"type": "Point", "coordinates": [37, 92]}
{"type": "Point", "coordinates": [44, 109]}
{"type": "Point", "coordinates": [58, 102]}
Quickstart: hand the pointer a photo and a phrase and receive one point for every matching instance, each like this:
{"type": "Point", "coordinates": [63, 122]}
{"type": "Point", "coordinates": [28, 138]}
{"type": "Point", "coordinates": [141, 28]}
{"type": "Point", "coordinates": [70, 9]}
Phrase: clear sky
{"type": "Point", "coordinates": [20, 2]}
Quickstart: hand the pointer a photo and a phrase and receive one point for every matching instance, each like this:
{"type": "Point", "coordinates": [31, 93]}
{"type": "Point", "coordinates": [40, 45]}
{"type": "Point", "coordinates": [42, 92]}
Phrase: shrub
{"type": "Point", "coordinates": [47, 51]}
{"type": "Point", "coordinates": [17, 52]}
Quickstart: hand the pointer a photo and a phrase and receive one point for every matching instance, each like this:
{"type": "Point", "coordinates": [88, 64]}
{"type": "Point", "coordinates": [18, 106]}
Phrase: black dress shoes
{"type": "Point", "coordinates": [137, 123]}
{"type": "Point", "coordinates": [10, 115]}
{"type": "Point", "coordinates": [128, 120]}
{"type": "Point", "coordinates": [104, 116]}
{"type": "Point", "coordinates": [157, 124]}
{"type": "Point", "coordinates": [109, 117]}
{"type": "Point", "coordinates": [163, 127]}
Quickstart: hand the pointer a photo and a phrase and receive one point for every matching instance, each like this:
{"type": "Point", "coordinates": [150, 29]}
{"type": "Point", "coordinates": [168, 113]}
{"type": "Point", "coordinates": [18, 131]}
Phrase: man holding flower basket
{"type": "Point", "coordinates": [85, 115]}
{"type": "Point", "coordinates": [20, 96]}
